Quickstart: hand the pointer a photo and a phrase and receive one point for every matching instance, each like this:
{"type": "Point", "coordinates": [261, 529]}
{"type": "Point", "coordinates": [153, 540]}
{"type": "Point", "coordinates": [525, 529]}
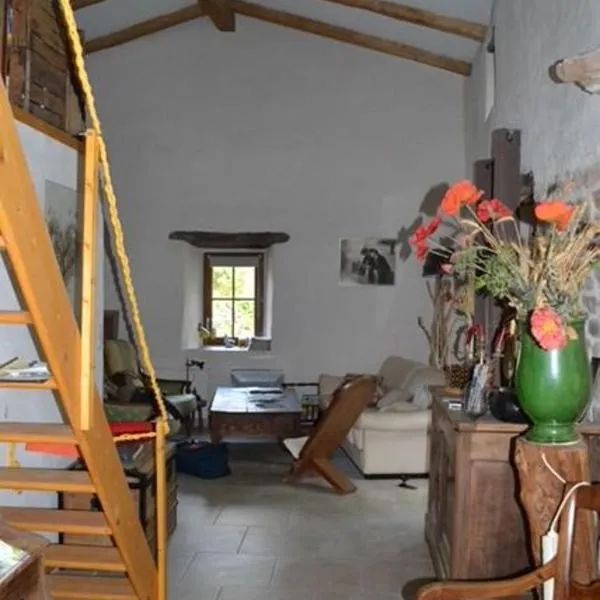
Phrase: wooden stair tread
{"type": "Point", "coordinates": [49, 384]}
{"type": "Point", "coordinates": [45, 480]}
{"type": "Point", "coordinates": [56, 433]}
{"type": "Point", "coordinates": [88, 558]}
{"type": "Point", "coordinates": [76, 587]}
{"type": "Point", "coordinates": [12, 317]}
{"type": "Point", "coordinates": [50, 520]}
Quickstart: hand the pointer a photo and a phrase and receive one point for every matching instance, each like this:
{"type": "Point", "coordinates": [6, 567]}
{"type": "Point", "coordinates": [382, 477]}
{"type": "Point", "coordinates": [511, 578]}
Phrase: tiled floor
{"type": "Point", "coordinates": [251, 537]}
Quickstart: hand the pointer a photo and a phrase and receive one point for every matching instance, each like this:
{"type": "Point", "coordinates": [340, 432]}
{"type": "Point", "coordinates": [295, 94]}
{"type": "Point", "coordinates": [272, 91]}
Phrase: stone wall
{"type": "Point", "coordinates": [559, 122]}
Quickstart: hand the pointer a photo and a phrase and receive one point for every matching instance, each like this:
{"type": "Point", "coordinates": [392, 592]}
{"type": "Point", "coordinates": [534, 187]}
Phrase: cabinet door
{"type": "Point", "coordinates": [441, 492]}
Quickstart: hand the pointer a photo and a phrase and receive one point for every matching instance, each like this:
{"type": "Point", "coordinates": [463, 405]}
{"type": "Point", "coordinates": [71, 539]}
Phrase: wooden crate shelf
{"type": "Point", "coordinates": [142, 484]}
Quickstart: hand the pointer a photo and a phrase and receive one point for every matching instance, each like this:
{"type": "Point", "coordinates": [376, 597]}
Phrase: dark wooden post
{"type": "Point", "coordinates": [483, 173]}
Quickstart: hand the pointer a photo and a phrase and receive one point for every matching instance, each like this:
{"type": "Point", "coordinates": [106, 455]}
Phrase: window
{"type": "Point", "coordinates": [234, 295]}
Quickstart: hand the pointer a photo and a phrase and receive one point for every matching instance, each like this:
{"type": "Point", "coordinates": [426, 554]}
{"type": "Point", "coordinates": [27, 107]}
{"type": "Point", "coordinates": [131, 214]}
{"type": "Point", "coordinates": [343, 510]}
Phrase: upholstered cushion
{"type": "Point", "coordinates": [419, 382]}
{"type": "Point", "coordinates": [379, 389]}
{"type": "Point", "coordinates": [328, 384]}
{"type": "Point", "coordinates": [392, 397]}
{"type": "Point", "coordinates": [375, 420]}
{"type": "Point", "coordinates": [184, 403]}
{"type": "Point", "coordinates": [395, 371]}
{"type": "Point", "coordinates": [125, 413]}
{"type": "Point", "coordinates": [401, 406]}
{"type": "Point", "coordinates": [119, 357]}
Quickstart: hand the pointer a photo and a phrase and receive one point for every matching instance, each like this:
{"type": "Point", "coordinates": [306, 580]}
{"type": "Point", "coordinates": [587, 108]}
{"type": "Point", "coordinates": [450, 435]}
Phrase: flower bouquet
{"type": "Point", "coordinates": [540, 278]}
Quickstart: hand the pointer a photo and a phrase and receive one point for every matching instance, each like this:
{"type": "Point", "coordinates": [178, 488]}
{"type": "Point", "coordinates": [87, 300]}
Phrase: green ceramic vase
{"type": "Point", "coordinates": [553, 387]}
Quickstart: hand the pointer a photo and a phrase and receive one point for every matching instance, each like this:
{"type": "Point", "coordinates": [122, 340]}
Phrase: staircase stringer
{"type": "Point", "coordinates": [41, 287]}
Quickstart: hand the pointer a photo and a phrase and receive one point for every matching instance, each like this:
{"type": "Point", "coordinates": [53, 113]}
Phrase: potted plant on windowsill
{"type": "Point", "coordinates": [541, 278]}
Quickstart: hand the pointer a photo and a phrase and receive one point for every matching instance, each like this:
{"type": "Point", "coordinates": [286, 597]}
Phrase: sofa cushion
{"type": "Point", "coordinates": [401, 406]}
{"type": "Point", "coordinates": [328, 384]}
{"type": "Point", "coordinates": [395, 371]}
{"type": "Point", "coordinates": [375, 420]}
{"type": "Point", "coordinates": [392, 397]}
{"type": "Point", "coordinates": [418, 384]}
{"type": "Point", "coordinates": [379, 391]}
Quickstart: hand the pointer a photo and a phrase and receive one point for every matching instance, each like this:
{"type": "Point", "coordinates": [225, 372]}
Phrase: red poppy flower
{"type": "Point", "coordinates": [422, 251]}
{"type": "Point", "coordinates": [556, 213]}
{"type": "Point", "coordinates": [492, 210]}
{"type": "Point", "coordinates": [422, 233]}
{"type": "Point", "coordinates": [548, 330]}
{"type": "Point", "coordinates": [461, 193]}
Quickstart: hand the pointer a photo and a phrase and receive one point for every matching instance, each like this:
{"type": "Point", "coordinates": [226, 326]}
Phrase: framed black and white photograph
{"type": "Point", "coordinates": [367, 261]}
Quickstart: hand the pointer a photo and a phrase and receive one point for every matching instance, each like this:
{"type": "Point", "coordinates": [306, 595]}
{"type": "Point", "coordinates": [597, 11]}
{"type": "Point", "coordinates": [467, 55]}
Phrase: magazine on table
{"type": "Point", "coordinates": [17, 369]}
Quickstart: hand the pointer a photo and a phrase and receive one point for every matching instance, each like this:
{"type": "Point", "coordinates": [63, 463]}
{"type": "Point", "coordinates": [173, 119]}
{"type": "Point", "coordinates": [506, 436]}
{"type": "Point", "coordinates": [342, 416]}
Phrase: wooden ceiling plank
{"type": "Point", "coordinates": [220, 13]}
{"type": "Point", "coordinates": [77, 4]}
{"type": "Point", "coordinates": [160, 23]}
{"type": "Point", "coordinates": [420, 17]}
{"type": "Point", "coordinates": [349, 36]}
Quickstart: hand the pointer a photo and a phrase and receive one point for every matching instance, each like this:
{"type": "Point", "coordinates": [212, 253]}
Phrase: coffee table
{"type": "Point", "coordinates": [254, 412]}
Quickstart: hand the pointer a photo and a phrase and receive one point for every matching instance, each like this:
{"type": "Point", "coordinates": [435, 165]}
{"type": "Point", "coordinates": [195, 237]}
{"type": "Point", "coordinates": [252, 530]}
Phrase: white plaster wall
{"type": "Point", "coordinates": [53, 161]}
{"type": "Point", "coordinates": [266, 128]}
{"type": "Point", "coordinates": [560, 123]}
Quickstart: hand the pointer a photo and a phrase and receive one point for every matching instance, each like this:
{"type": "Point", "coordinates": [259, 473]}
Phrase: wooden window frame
{"type": "Point", "coordinates": [259, 292]}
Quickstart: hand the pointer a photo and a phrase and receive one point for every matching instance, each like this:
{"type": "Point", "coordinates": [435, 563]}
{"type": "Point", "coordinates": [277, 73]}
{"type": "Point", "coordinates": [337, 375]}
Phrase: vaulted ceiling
{"type": "Point", "coordinates": [440, 33]}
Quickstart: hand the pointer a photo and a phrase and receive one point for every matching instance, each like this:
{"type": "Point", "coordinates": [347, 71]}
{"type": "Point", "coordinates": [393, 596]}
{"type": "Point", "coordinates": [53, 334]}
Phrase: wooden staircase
{"type": "Point", "coordinates": [127, 570]}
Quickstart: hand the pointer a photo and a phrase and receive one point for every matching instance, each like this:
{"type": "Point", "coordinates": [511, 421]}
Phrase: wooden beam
{"type": "Point", "coordinates": [54, 132]}
{"type": "Point", "coordinates": [350, 36]}
{"type": "Point", "coordinates": [77, 4]}
{"type": "Point", "coordinates": [220, 13]}
{"type": "Point", "coordinates": [259, 240]}
{"type": "Point", "coordinates": [418, 16]}
{"type": "Point", "coordinates": [189, 13]}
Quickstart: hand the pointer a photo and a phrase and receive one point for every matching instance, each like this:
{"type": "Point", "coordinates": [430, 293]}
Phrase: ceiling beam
{"type": "Point", "coordinates": [220, 13]}
{"type": "Point", "coordinates": [77, 4]}
{"type": "Point", "coordinates": [418, 16]}
{"type": "Point", "coordinates": [189, 13]}
{"type": "Point", "coordinates": [350, 36]}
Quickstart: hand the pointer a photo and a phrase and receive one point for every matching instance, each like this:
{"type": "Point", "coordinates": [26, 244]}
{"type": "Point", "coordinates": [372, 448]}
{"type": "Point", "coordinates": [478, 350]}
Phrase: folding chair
{"type": "Point", "coordinates": [313, 453]}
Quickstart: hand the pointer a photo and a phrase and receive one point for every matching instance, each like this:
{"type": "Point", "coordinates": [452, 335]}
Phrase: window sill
{"type": "Point", "coordinates": [235, 350]}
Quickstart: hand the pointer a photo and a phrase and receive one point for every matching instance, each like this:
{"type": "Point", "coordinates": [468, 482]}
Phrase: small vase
{"type": "Point", "coordinates": [553, 386]}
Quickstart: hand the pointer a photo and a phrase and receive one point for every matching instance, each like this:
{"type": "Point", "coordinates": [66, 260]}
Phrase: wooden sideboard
{"type": "Point", "coordinates": [475, 526]}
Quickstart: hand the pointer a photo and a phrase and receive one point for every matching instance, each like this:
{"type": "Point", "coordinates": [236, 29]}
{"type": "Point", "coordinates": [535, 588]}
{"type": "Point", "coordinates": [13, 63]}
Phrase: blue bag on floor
{"type": "Point", "coordinates": [203, 460]}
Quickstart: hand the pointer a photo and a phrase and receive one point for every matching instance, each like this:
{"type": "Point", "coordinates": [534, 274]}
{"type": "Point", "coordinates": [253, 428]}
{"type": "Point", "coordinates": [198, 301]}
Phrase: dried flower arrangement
{"type": "Point", "coordinates": [542, 277]}
{"type": "Point", "coordinates": [442, 323]}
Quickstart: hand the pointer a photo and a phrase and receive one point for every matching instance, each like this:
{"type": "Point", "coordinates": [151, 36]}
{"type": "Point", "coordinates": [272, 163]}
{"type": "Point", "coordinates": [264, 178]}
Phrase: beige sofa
{"type": "Point", "coordinates": [392, 438]}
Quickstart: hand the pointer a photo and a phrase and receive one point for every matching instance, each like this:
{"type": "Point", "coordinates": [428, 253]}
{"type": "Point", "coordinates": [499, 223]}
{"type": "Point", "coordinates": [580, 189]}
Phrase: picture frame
{"type": "Point", "coordinates": [368, 261]}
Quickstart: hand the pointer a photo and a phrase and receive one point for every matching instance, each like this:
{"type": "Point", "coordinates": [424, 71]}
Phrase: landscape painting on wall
{"type": "Point", "coordinates": [63, 219]}
{"type": "Point", "coordinates": [367, 261]}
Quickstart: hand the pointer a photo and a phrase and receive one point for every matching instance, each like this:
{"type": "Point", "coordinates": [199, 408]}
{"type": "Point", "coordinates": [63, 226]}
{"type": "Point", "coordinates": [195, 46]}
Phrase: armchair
{"type": "Point", "coordinates": [182, 403]}
{"type": "Point", "coordinates": [559, 569]}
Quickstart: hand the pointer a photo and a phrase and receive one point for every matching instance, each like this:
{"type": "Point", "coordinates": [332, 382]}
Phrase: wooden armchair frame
{"type": "Point", "coordinates": [559, 569]}
{"type": "Point", "coordinates": [328, 435]}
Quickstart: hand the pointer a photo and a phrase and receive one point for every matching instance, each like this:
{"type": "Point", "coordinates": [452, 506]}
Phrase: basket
{"type": "Point", "coordinates": [457, 376]}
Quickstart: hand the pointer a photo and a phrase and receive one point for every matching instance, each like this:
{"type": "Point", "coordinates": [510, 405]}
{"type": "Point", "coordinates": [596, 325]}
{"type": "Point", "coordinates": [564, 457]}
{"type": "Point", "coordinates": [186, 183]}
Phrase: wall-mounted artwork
{"type": "Point", "coordinates": [367, 261]}
{"type": "Point", "coordinates": [64, 225]}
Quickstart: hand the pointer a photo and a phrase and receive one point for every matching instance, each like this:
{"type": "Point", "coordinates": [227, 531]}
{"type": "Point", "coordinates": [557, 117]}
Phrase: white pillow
{"type": "Point", "coordinates": [422, 398]}
{"type": "Point", "coordinates": [424, 377]}
{"type": "Point", "coordinates": [392, 396]}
